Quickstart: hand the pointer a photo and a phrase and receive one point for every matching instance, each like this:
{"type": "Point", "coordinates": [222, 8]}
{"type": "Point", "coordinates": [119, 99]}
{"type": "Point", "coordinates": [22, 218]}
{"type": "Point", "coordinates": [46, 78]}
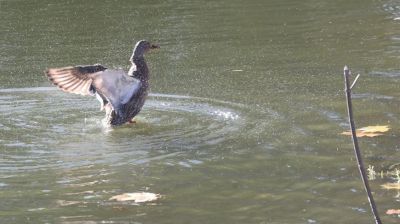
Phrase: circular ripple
{"type": "Point", "coordinates": [44, 127]}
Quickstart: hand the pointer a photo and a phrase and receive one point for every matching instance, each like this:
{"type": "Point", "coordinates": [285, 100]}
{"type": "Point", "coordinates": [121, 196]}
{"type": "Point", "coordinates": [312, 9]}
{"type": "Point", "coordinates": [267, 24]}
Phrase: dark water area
{"type": "Point", "coordinates": [242, 124]}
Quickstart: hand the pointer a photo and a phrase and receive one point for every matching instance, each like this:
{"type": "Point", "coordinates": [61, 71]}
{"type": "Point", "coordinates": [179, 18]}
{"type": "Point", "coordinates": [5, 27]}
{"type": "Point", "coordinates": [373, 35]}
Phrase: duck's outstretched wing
{"type": "Point", "coordinates": [76, 79]}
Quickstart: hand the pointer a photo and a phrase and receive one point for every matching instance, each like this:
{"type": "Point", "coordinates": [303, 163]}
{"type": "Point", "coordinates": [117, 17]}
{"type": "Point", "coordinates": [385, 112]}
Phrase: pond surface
{"type": "Point", "coordinates": [242, 124]}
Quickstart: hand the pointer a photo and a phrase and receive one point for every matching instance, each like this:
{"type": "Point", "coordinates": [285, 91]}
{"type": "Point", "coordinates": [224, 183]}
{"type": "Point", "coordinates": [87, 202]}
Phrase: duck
{"type": "Point", "coordinates": [121, 94]}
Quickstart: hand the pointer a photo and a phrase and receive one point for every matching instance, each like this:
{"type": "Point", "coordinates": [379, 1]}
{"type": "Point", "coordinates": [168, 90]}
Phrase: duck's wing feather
{"type": "Point", "coordinates": [76, 79]}
{"type": "Point", "coordinates": [116, 86]}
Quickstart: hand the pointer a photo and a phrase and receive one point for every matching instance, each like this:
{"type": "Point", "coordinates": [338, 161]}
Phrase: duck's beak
{"type": "Point", "coordinates": [154, 46]}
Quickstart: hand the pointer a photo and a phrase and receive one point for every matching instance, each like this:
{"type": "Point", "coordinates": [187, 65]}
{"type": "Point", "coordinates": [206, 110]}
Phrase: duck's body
{"type": "Point", "coordinates": [121, 94]}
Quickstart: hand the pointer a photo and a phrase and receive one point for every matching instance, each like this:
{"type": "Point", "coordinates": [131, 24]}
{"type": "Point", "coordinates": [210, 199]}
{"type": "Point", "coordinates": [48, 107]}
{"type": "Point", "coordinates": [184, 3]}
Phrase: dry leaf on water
{"type": "Point", "coordinates": [369, 131]}
{"type": "Point", "coordinates": [378, 128]}
{"type": "Point", "coordinates": [391, 186]}
{"type": "Point", "coordinates": [362, 134]}
{"type": "Point", "coordinates": [137, 197]}
{"type": "Point", "coordinates": [393, 212]}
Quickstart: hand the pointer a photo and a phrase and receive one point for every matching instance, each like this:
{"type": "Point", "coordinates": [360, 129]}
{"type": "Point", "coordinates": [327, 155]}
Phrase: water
{"type": "Point", "coordinates": [242, 124]}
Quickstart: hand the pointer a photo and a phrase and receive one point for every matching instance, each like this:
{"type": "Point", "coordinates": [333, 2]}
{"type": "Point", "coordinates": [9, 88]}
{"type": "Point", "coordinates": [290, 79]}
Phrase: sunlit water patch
{"type": "Point", "coordinates": [393, 7]}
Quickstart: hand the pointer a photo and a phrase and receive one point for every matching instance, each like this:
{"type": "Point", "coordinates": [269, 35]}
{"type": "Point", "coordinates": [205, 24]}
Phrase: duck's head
{"type": "Point", "coordinates": [141, 48]}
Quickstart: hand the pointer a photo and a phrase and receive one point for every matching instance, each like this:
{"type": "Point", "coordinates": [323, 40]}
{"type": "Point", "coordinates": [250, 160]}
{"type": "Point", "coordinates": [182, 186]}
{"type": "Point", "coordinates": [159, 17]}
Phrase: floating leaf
{"type": "Point", "coordinates": [362, 134]}
{"type": "Point", "coordinates": [391, 186]}
{"type": "Point", "coordinates": [375, 129]}
{"type": "Point", "coordinates": [393, 212]}
{"type": "Point", "coordinates": [369, 131]}
{"type": "Point", "coordinates": [137, 197]}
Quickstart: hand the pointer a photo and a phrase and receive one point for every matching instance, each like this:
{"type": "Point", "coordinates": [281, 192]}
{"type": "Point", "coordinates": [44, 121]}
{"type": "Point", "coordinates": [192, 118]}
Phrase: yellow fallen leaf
{"type": "Point", "coordinates": [362, 134]}
{"type": "Point", "coordinates": [137, 197]}
{"type": "Point", "coordinates": [391, 186]}
{"type": "Point", "coordinates": [375, 129]}
{"type": "Point", "coordinates": [393, 212]}
{"type": "Point", "coordinates": [369, 131]}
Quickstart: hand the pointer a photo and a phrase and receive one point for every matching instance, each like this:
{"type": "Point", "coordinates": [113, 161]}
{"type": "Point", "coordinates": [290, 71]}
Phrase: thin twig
{"type": "Point", "coordinates": [357, 151]}
{"type": "Point", "coordinates": [355, 81]}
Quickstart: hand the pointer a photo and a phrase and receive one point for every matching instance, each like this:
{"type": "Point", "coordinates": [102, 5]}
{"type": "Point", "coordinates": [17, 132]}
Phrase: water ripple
{"type": "Point", "coordinates": [45, 128]}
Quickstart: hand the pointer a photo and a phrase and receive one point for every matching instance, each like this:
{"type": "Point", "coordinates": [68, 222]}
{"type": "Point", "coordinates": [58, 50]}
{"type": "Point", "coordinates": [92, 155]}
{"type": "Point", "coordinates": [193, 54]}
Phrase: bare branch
{"type": "Point", "coordinates": [357, 152]}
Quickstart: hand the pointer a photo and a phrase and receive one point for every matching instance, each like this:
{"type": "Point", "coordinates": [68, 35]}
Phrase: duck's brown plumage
{"type": "Point", "coordinates": [76, 80]}
{"type": "Point", "coordinates": [121, 94]}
